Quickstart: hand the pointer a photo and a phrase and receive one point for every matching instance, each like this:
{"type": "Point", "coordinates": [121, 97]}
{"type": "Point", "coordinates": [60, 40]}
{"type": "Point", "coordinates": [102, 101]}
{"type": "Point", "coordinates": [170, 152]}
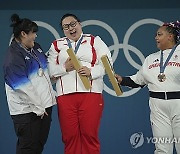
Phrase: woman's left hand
{"type": "Point", "coordinates": [84, 71]}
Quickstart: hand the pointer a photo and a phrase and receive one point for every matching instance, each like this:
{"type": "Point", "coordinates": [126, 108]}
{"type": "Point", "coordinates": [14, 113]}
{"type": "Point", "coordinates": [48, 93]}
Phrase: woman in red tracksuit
{"type": "Point", "coordinates": [79, 109]}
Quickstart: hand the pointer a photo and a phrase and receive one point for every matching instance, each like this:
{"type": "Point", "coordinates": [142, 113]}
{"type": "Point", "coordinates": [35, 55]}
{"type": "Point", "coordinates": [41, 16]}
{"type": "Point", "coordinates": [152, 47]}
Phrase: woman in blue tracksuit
{"type": "Point", "coordinates": [29, 91]}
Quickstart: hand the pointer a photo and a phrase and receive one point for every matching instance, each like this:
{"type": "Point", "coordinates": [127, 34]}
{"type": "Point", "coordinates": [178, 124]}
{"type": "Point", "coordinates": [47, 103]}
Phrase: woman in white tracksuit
{"type": "Point", "coordinates": [79, 109]}
{"type": "Point", "coordinates": [161, 73]}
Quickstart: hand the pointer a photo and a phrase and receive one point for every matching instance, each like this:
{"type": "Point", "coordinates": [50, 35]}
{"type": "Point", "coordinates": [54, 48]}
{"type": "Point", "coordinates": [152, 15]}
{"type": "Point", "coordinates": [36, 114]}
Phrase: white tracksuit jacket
{"type": "Point", "coordinates": [150, 70]}
{"type": "Point", "coordinates": [69, 82]}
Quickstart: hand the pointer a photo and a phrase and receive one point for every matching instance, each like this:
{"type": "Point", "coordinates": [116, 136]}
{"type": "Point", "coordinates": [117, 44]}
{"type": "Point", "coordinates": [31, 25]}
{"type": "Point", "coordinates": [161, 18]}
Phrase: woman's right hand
{"type": "Point", "coordinates": [118, 77]}
{"type": "Point", "coordinates": [68, 65]}
{"type": "Point", "coordinates": [44, 114]}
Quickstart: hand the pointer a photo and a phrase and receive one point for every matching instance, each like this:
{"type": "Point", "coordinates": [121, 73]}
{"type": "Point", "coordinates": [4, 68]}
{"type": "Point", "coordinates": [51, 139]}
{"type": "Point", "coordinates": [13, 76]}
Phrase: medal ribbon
{"type": "Point", "coordinates": [162, 67]}
{"type": "Point", "coordinates": [77, 46]}
{"type": "Point", "coordinates": [32, 54]}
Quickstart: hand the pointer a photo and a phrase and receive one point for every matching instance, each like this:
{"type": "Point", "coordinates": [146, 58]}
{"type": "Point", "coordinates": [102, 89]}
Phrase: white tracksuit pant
{"type": "Point", "coordinates": [165, 122]}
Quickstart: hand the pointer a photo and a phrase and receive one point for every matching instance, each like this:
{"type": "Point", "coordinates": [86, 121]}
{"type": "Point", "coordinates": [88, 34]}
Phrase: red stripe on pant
{"type": "Point", "coordinates": [79, 116]}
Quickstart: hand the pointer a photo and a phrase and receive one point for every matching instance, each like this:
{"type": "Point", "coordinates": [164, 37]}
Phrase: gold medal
{"type": "Point", "coordinates": [161, 77]}
{"type": "Point", "coordinates": [40, 72]}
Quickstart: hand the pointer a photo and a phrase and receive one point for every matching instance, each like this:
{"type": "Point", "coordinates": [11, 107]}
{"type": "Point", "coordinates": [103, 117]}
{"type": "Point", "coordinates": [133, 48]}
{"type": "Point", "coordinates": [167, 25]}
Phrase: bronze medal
{"type": "Point", "coordinates": [161, 77]}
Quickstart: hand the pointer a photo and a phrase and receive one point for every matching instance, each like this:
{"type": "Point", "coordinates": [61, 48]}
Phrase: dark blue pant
{"type": "Point", "coordinates": [32, 132]}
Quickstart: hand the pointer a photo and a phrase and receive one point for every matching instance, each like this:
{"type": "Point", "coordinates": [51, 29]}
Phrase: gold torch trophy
{"type": "Point", "coordinates": [110, 72]}
{"type": "Point", "coordinates": [77, 66]}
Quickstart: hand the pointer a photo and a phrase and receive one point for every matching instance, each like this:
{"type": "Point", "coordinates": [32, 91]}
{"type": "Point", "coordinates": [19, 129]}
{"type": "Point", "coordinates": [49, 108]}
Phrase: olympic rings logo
{"type": "Point", "coordinates": [117, 45]}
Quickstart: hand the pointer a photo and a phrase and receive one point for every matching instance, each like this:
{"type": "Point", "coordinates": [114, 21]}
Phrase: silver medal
{"type": "Point", "coordinates": [40, 72]}
{"type": "Point", "coordinates": [161, 77]}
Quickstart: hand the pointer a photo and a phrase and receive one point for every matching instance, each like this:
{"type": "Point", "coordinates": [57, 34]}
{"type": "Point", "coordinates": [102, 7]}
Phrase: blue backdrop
{"type": "Point", "coordinates": [129, 34]}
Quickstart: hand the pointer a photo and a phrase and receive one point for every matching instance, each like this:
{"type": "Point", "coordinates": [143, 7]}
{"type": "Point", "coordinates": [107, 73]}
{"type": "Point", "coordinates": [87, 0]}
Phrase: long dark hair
{"type": "Point", "coordinates": [24, 24]}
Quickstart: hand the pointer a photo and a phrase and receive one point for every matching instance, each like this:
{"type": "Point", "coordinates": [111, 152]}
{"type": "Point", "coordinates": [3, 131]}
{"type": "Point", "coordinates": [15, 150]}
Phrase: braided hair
{"type": "Point", "coordinates": [174, 28]}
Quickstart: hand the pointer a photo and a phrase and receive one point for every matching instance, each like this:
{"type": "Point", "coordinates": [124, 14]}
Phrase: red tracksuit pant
{"type": "Point", "coordinates": [79, 116]}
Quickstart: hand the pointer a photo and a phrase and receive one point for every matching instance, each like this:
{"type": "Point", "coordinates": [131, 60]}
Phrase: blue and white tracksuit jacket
{"type": "Point", "coordinates": [27, 91]}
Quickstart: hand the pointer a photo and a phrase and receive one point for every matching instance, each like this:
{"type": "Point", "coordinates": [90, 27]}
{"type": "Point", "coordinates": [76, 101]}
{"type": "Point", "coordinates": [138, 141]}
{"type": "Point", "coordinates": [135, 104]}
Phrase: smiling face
{"type": "Point", "coordinates": [164, 39]}
{"type": "Point", "coordinates": [27, 40]}
{"type": "Point", "coordinates": [72, 28]}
